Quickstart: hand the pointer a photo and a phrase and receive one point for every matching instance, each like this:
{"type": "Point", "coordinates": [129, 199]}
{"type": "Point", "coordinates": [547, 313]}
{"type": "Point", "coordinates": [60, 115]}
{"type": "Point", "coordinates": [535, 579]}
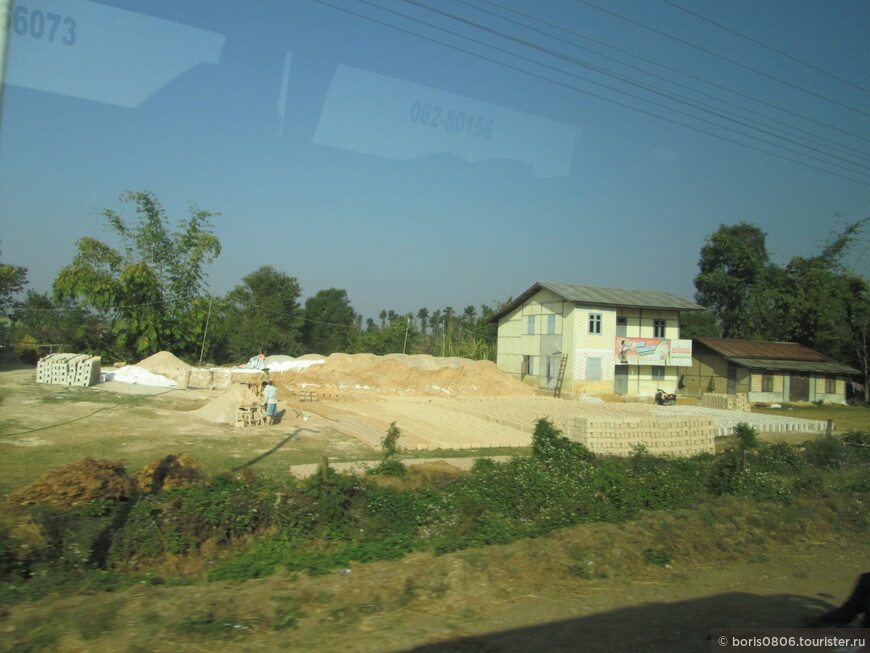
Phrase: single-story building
{"type": "Point", "coordinates": [587, 339]}
{"type": "Point", "coordinates": [767, 372]}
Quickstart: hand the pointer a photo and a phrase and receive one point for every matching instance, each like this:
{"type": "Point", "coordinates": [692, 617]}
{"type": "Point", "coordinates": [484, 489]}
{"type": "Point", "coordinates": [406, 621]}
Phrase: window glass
{"type": "Point", "coordinates": [530, 324]}
{"type": "Point", "coordinates": [595, 323]}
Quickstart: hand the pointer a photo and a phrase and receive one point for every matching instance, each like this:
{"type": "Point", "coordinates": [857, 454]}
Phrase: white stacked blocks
{"type": "Point", "coordinates": [68, 369]}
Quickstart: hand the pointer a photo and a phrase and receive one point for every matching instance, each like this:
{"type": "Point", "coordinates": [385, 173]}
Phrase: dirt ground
{"type": "Point", "coordinates": [584, 588]}
{"type": "Point", "coordinates": [525, 596]}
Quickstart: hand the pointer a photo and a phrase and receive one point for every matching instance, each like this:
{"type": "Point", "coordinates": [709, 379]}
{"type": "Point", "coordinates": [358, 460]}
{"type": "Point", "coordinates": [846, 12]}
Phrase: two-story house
{"type": "Point", "coordinates": [603, 340]}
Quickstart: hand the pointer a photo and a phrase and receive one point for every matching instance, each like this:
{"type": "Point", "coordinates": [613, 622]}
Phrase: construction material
{"type": "Point", "coordinates": [660, 436]}
{"type": "Point", "coordinates": [739, 402]}
{"type": "Point", "coordinates": [68, 369]}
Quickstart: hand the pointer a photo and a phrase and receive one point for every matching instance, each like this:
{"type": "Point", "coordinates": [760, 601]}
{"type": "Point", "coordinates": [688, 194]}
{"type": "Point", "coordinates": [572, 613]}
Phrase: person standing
{"type": "Point", "coordinates": [270, 396]}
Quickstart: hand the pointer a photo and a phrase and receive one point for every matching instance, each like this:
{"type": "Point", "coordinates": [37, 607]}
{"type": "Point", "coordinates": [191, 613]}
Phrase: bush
{"type": "Point", "coordinates": [389, 466]}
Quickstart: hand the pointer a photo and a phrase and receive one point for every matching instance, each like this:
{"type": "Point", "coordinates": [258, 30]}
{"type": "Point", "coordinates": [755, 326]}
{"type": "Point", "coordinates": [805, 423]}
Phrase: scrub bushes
{"type": "Point", "coordinates": [248, 528]}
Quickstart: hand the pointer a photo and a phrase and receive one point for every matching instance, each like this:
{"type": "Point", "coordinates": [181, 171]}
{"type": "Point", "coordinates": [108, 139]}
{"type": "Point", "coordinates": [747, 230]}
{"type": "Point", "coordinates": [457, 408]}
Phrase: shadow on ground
{"type": "Point", "coordinates": [655, 627]}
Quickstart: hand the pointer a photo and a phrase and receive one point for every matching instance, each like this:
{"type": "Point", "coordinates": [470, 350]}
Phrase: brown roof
{"type": "Point", "coordinates": [774, 355]}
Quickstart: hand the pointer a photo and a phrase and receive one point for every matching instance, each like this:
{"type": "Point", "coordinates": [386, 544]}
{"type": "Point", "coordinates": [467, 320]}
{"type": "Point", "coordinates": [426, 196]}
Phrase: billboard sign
{"type": "Point", "coordinates": [653, 351]}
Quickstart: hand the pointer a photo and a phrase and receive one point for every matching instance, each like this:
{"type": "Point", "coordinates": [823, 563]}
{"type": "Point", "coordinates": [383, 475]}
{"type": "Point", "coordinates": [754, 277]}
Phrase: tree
{"type": "Point", "coordinates": [45, 321]}
{"type": "Point", "coordinates": [423, 316]}
{"type": "Point", "coordinates": [699, 324]}
{"type": "Point", "coordinates": [12, 280]}
{"type": "Point", "coordinates": [733, 260]}
{"type": "Point", "coordinates": [265, 314]}
{"type": "Point", "coordinates": [396, 338]}
{"type": "Point", "coordinates": [150, 288]}
{"type": "Point", "coordinates": [330, 322]}
{"type": "Point", "coordinates": [815, 301]}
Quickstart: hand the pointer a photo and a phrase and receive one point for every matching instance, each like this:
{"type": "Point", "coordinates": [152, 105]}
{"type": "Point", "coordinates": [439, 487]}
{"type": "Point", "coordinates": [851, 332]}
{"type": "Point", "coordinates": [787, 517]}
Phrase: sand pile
{"type": "Point", "coordinates": [399, 375]}
{"type": "Point", "coordinates": [224, 409]}
{"type": "Point", "coordinates": [78, 483]}
{"type": "Point", "coordinates": [167, 364]}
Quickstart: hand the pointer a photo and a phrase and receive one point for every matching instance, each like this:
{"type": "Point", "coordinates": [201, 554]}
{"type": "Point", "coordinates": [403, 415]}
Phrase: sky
{"type": "Point", "coordinates": [434, 153]}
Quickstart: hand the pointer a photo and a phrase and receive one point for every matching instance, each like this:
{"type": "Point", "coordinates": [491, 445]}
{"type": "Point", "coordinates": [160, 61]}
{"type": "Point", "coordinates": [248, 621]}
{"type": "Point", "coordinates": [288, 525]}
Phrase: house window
{"type": "Point", "coordinates": [830, 385]}
{"type": "Point", "coordinates": [551, 323]}
{"type": "Point", "coordinates": [659, 328]}
{"type": "Point", "coordinates": [531, 365]}
{"type": "Point", "coordinates": [593, 369]}
{"type": "Point", "coordinates": [530, 325]}
{"type": "Point", "coordinates": [621, 327]}
{"type": "Point", "coordinates": [767, 382]}
{"type": "Point", "coordinates": [595, 323]}
{"type": "Point", "coordinates": [658, 373]}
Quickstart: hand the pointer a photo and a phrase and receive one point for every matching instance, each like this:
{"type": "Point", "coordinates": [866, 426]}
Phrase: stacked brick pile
{"type": "Point", "coordinates": [719, 401]}
{"type": "Point", "coordinates": [662, 436]}
{"type": "Point", "coordinates": [68, 369]}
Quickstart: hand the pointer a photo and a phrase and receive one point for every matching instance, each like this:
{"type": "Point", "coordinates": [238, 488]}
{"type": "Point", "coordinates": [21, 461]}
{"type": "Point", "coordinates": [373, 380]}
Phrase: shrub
{"type": "Point", "coordinates": [658, 557]}
{"type": "Point", "coordinates": [747, 436]}
{"type": "Point", "coordinates": [550, 447]}
{"type": "Point", "coordinates": [389, 466]}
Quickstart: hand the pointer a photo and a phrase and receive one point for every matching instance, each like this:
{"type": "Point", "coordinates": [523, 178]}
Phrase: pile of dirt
{"type": "Point", "coordinates": [400, 375]}
{"type": "Point", "coordinates": [167, 364]}
{"type": "Point", "coordinates": [224, 408]}
{"type": "Point", "coordinates": [78, 483]}
{"type": "Point", "coordinates": [172, 472]}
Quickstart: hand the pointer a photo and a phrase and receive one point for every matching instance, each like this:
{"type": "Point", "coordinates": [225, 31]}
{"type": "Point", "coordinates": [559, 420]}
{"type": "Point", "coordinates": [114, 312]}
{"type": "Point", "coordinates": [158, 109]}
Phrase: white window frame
{"type": "Point", "coordinates": [595, 320]}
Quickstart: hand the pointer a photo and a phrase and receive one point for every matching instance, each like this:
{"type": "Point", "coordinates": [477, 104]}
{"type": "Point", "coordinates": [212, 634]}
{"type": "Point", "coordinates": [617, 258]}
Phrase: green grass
{"type": "Point", "coordinates": [846, 418]}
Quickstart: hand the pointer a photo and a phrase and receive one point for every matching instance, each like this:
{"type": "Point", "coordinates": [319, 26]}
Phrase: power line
{"type": "Point", "coordinates": [682, 73]}
{"type": "Point", "coordinates": [764, 45]}
{"type": "Point", "coordinates": [651, 89]}
{"type": "Point", "coordinates": [724, 58]}
{"type": "Point", "coordinates": [586, 92]}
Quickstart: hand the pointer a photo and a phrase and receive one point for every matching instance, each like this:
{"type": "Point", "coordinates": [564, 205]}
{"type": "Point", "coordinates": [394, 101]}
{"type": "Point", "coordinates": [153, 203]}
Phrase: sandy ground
{"type": "Point", "coordinates": [518, 597]}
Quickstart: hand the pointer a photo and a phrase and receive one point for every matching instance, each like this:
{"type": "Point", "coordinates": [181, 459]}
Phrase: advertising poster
{"type": "Point", "coordinates": [653, 351]}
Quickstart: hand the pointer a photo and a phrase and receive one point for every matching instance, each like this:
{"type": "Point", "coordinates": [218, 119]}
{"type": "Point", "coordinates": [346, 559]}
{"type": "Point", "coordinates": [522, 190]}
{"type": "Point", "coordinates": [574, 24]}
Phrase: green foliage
{"type": "Point", "coordinates": [399, 337]}
{"type": "Point", "coordinates": [733, 260]}
{"type": "Point", "coordinates": [330, 322]}
{"type": "Point", "coordinates": [658, 557]}
{"type": "Point", "coordinates": [389, 466]}
{"type": "Point", "coordinates": [149, 288]}
{"type": "Point", "coordinates": [46, 321]}
{"type": "Point", "coordinates": [747, 436]}
{"type": "Point", "coordinates": [220, 511]}
{"type": "Point", "coordinates": [12, 281]}
{"type": "Point", "coordinates": [264, 315]}
{"type": "Point", "coordinates": [700, 324]}
{"type": "Point", "coordinates": [815, 301]}
{"type": "Point", "coordinates": [332, 520]}
{"type": "Point", "coordinates": [550, 447]}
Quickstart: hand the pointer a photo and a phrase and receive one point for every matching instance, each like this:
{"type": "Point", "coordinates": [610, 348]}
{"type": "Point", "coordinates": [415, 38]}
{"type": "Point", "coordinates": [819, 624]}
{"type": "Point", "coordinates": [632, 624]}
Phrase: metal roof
{"type": "Point", "coordinates": [598, 296]}
{"type": "Point", "coordinates": [793, 366]}
{"type": "Point", "coordinates": [760, 349]}
{"type": "Point", "coordinates": [789, 356]}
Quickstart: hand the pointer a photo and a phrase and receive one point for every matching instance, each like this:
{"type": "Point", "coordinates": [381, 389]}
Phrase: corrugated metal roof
{"type": "Point", "coordinates": [598, 296]}
{"type": "Point", "coordinates": [785, 356]}
{"type": "Point", "coordinates": [830, 367]}
{"type": "Point", "coordinates": [757, 349]}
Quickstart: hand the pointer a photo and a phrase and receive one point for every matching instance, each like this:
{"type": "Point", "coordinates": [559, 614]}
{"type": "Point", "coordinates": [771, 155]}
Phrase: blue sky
{"type": "Point", "coordinates": [421, 158]}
